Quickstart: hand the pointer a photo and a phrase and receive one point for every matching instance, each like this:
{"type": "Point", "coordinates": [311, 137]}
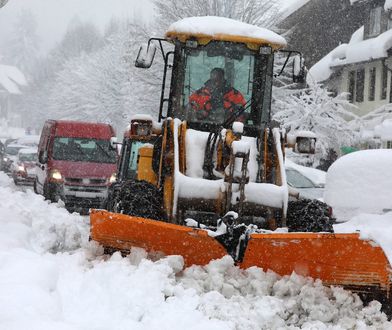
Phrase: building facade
{"type": "Point", "coordinates": [319, 26]}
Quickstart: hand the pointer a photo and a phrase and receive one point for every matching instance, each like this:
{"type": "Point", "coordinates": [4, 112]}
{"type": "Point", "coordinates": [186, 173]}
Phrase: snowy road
{"type": "Point", "coordinates": [52, 277]}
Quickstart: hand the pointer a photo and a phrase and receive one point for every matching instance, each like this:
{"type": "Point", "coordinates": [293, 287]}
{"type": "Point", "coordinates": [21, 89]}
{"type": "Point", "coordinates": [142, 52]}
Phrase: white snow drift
{"type": "Point", "coordinates": [52, 277]}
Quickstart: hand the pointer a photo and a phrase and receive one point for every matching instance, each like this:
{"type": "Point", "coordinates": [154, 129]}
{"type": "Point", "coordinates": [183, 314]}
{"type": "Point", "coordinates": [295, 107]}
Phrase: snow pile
{"type": "Point", "coordinates": [79, 289]}
{"type": "Point", "coordinates": [217, 26]}
{"type": "Point", "coordinates": [40, 226]}
{"type": "Point", "coordinates": [360, 182]}
{"type": "Point", "coordinates": [11, 78]}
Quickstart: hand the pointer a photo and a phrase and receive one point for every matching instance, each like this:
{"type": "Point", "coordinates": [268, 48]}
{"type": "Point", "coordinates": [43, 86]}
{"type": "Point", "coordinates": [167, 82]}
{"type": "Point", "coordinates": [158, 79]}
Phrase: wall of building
{"type": "Point", "coordinates": [367, 106]}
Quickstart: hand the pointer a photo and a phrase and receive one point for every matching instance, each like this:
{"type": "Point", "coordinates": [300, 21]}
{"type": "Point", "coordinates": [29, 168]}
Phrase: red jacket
{"type": "Point", "coordinates": [203, 99]}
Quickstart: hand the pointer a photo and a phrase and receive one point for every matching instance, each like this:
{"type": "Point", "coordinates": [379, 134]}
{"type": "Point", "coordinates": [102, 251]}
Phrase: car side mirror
{"type": "Point", "coordinates": [113, 143]}
{"type": "Point", "coordinates": [43, 157]}
{"type": "Point", "coordinates": [299, 72]}
{"type": "Point", "coordinates": [145, 56]}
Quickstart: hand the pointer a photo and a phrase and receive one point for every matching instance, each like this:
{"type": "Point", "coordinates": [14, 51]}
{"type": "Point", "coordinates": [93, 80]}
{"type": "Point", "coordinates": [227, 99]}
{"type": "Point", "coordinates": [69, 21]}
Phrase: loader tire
{"type": "Point", "coordinates": [141, 199]}
{"type": "Point", "coordinates": [306, 215]}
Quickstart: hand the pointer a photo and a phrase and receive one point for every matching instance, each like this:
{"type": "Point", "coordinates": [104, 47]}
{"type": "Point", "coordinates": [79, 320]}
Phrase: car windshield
{"type": "Point", "coordinates": [28, 157]}
{"type": "Point", "coordinates": [298, 180]}
{"type": "Point", "coordinates": [83, 150]}
{"type": "Point", "coordinates": [206, 100]}
{"type": "Point", "coordinates": [12, 150]}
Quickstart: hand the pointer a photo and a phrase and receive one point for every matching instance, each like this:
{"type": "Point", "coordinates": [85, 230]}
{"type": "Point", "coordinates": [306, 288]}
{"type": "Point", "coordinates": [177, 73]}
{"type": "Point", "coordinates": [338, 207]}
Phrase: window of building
{"type": "Point", "coordinates": [389, 144]}
{"type": "Point", "coordinates": [351, 85]}
{"type": "Point", "coordinates": [360, 85]}
{"type": "Point", "coordinates": [384, 82]}
{"type": "Point", "coordinates": [372, 83]}
{"type": "Point", "coordinates": [375, 21]}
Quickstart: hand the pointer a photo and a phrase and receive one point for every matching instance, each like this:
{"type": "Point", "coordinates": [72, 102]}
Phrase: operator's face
{"type": "Point", "coordinates": [217, 79]}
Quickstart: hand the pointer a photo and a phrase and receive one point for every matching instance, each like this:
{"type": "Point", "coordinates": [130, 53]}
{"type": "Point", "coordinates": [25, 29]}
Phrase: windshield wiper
{"type": "Point", "coordinates": [104, 151]}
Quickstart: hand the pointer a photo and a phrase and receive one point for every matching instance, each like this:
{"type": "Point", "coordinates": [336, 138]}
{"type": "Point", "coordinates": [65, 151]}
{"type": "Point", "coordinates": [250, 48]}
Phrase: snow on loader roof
{"type": "Point", "coordinates": [221, 28]}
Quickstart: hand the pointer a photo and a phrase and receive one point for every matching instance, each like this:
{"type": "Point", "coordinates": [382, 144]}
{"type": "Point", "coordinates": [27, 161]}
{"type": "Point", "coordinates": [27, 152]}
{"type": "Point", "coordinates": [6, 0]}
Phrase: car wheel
{"type": "Point", "coordinates": [140, 198]}
{"type": "Point", "coordinates": [306, 215]}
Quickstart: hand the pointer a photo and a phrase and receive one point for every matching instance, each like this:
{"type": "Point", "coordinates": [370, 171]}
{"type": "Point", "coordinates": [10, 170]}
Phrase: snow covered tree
{"type": "Point", "coordinates": [23, 48]}
{"type": "Point", "coordinates": [79, 38]}
{"type": "Point", "coordinates": [105, 86]}
{"type": "Point", "coordinates": [314, 109]}
{"type": "Point", "coordinates": [258, 12]}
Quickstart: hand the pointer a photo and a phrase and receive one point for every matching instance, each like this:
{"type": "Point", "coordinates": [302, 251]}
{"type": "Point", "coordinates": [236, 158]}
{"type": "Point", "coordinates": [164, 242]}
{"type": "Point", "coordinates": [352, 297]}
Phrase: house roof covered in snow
{"type": "Point", "coordinates": [356, 51]}
{"type": "Point", "coordinates": [207, 28]}
{"type": "Point", "coordinates": [11, 78]}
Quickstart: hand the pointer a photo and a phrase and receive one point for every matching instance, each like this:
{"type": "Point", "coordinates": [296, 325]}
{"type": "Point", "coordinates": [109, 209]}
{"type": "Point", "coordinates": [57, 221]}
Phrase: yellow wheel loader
{"type": "Point", "coordinates": [207, 181]}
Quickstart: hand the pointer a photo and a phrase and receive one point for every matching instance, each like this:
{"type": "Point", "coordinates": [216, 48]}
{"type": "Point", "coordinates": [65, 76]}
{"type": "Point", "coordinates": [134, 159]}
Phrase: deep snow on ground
{"type": "Point", "coordinates": [52, 277]}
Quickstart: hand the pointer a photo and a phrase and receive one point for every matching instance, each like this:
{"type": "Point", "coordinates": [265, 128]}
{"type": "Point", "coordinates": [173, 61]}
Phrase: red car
{"type": "Point", "coordinates": [76, 162]}
{"type": "Point", "coordinates": [23, 169]}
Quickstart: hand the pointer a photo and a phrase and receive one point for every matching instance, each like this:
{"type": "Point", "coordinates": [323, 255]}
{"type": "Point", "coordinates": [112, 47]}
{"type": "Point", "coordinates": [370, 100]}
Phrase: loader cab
{"type": "Point", "coordinates": [247, 75]}
{"type": "Point", "coordinates": [139, 138]}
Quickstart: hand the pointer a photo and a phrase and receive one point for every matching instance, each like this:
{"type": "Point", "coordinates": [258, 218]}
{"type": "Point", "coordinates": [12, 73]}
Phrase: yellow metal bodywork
{"type": "Point", "coordinates": [145, 171]}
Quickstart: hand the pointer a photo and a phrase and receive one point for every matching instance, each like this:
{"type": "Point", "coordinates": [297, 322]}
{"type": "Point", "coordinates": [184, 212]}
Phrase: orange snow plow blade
{"type": "Point", "coordinates": [336, 259]}
{"type": "Point", "coordinates": [121, 232]}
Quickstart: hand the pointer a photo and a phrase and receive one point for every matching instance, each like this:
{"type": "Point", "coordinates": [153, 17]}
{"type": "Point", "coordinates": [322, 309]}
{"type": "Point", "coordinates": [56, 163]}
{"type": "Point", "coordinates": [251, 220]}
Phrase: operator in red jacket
{"type": "Point", "coordinates": [216, 100]}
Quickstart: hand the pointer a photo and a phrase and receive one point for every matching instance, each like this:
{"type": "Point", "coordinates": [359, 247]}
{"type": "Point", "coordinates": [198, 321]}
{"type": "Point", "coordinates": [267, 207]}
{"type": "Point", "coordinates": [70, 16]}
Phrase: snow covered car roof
{"type": "Point", "coordinates": [360, 182]}
{"type": "Point", "coordinates": [206, 28]}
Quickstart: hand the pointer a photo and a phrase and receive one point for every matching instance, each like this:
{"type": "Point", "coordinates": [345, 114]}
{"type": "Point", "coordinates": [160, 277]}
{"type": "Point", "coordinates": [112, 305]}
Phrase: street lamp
{"type": "Point", "coordinates": [3, 2]}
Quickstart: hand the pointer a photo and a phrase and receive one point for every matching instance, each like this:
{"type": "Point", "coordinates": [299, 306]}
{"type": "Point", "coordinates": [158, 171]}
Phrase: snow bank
{"type": "Point", "coordinates": [216, 26]}
{"type": "Point", "coordinates": [76, 288]}
{"type": "Point", "coordinates": [360, 182]}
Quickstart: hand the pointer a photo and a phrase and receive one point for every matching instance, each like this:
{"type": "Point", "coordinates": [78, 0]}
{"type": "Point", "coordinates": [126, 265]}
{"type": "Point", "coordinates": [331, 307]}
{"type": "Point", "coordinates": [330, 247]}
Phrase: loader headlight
{"type": "Point", "coordinates": [56, 175]}
{"type": "Point", "coordinates": [113, 178]}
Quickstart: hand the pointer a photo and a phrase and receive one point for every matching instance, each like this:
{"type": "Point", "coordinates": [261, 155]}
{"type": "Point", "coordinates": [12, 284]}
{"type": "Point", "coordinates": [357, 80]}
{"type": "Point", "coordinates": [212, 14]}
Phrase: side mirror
{"type": "Point", "coordinates": [113, 142]}
{"type": "Point", "coordinates": [305, 145]}
{"type": "Point", "coordinates": [299, 73]}
{"type": "Point", "coordinates": [43, 157]}
{"type": "Point", "coordinates": [145, 56]}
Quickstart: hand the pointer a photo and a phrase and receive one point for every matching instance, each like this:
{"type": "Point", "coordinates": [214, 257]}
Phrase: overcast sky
{"type": "Point", "coordinates": [53, 16]}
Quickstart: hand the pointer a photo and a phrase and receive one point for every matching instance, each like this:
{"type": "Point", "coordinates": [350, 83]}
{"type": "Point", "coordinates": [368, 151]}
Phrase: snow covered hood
{"type": "Point", "coordinates": [11, 78]}
{"type": "Point", "coordinates": [357, 50]}
{"type": "Point", "coordinates": [222, 28]}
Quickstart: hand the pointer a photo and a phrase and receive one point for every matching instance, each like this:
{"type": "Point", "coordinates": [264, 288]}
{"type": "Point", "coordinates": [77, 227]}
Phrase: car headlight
{"type": "Point", "coordinates": [113, 178]}
{"type": "Point", "coordinates": [21, 168]}
{"type": "Point", "coordinates": [5, 159]}
{"type": "Point", "coordinates": [56, 175]}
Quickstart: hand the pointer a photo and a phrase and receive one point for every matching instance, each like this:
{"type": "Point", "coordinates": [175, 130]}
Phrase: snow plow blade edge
{"type": "Point", "coordinates": [337, 259]}
{"type": "Point", "coordinates": [122, 232]}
